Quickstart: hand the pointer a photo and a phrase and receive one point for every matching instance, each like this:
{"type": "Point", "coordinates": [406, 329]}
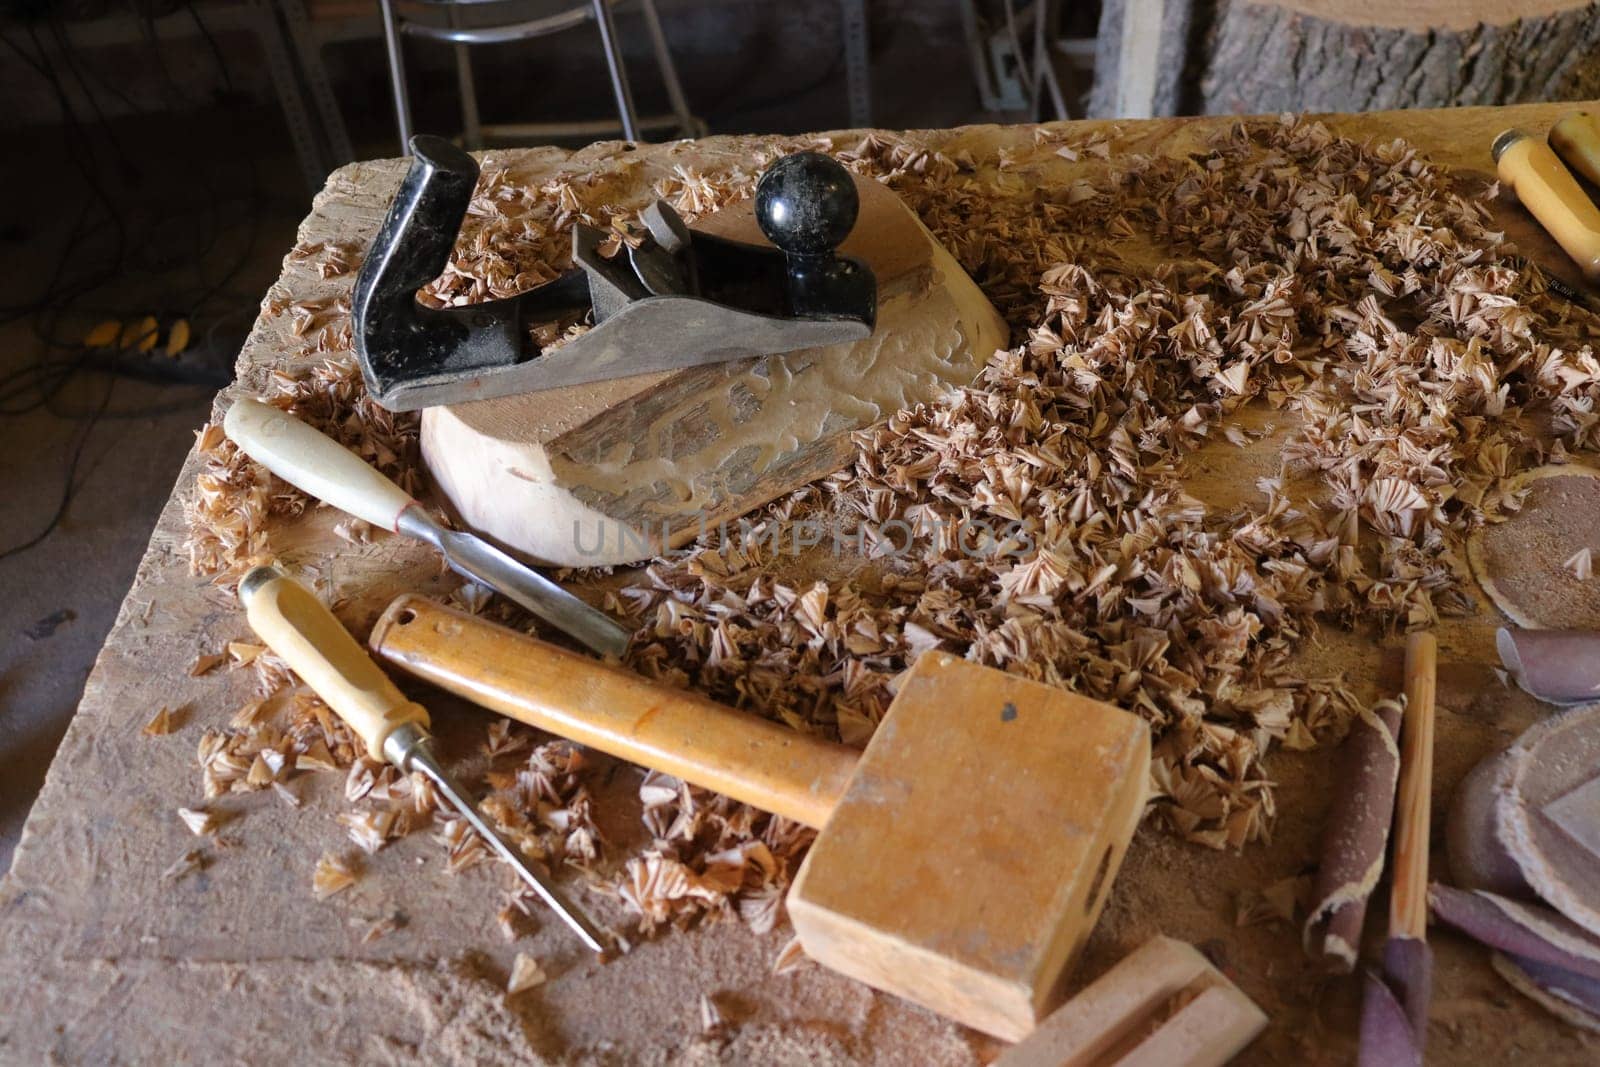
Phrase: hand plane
{"type": "Point", "coordinates": [678, 299]}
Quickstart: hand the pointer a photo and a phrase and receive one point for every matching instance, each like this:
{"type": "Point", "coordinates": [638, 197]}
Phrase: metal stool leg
{"type": "Point", "coordinates": [397, 75]}
{"type": "Point", "coordinates": [1044, 71]}
{"type": "Point", "coordinates": [619, 74]}
{"type": "Point", "coordinates": [669, 71]}
{"type": "Point", "coordinates": [471, 123]}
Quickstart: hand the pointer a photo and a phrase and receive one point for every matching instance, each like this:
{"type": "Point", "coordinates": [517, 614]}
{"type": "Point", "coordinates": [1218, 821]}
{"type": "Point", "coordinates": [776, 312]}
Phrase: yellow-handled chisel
{"type": "Point", "coordinates": [296, 625]}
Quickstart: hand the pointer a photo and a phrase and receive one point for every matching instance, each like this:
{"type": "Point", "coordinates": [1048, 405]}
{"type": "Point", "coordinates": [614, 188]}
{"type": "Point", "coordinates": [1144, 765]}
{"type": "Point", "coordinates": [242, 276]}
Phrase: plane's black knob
{"type": "Point", "coordinates": [806, 204]}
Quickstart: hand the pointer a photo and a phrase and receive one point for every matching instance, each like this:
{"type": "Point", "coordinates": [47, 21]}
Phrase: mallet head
{"type": "Point", "coordinates": [975, 844]}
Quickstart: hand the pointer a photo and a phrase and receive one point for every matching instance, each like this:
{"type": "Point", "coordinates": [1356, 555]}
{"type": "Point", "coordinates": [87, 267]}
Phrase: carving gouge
{"type": "Point", "coordinates": [1576, 139]}
{"type": "Point", "coordinates": [1553, 196]}
{"type": "Point", "coordinates": [300, 629]}
{"type": "Point", "coordinates": [319, 465]}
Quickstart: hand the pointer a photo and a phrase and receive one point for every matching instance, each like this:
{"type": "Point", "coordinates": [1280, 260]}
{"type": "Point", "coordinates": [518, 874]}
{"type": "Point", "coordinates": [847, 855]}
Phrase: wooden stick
{"type": "Point", "coordinates": [1408, 899]}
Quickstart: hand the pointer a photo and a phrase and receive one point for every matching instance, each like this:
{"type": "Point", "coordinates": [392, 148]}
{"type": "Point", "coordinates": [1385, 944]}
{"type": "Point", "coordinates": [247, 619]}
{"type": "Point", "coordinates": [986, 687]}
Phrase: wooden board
{"type": "Point", "coordinates": [616, 471]}
{"type": "Point", "coordinates": [104, 960]}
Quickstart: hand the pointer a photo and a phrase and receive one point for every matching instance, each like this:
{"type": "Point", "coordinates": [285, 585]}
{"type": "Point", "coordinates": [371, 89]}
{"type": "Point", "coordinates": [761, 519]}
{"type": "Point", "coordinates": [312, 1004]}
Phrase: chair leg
{"type": "Point", "coordinates": [669, 71]}
{"type": "Point", "coordinates": [471, 122]}
{"type": "Point", "coordinates": [619, 74]}
{"type": "Point", "coordinates": [397, 74]}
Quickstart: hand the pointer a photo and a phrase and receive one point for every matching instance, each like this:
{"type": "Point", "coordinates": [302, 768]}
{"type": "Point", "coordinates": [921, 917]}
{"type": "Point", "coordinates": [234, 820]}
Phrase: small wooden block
{"type": "Point", "coordinates": [975, 844]}
{"type": "Point", "coordinates": [1164, 1006]}
{"type": "Point", "coordinates": [615, 471]}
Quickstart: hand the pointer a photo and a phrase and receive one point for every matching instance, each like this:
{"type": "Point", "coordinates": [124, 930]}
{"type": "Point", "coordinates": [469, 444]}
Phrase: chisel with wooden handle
{"type": "Point", "coordinates": [296, 625]}
{"type": "Point", "coordinates": [1576, 139]}
{"type": "Point", "coordinates": [1553, 196]}
{"type": "Point", "coordinates": [317, 464]}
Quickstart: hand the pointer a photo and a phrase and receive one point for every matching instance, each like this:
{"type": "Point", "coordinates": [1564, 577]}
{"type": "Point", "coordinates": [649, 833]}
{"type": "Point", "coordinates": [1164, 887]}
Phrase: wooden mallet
{"type": "Point", "coordinates": [964, 855]}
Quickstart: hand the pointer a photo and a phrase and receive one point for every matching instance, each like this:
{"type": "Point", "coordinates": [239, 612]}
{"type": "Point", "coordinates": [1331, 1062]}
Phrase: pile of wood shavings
{"type": "Point", "coordinates": [1352, 287]}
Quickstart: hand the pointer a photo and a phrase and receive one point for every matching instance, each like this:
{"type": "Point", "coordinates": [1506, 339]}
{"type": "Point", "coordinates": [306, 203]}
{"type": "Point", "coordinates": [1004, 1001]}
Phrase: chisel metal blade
{"type": "Point", "coordinates": [474, 558]}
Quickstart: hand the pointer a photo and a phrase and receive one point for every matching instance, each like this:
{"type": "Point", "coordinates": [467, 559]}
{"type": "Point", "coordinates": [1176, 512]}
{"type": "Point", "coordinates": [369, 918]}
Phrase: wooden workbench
{"type": "Point", "coordinates": [104, 959]}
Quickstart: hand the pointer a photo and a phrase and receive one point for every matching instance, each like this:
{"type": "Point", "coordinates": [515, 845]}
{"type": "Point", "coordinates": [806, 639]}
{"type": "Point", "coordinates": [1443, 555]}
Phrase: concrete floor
{"type": "Point", "coordinates": [59, 598]}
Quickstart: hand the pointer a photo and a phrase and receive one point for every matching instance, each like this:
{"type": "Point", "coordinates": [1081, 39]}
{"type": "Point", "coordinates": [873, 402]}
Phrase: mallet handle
{"type": "Point", "coordinates": [570, 695]}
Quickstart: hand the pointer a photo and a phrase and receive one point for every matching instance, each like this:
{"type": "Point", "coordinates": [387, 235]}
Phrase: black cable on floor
{"type": "Point", "coordinates": [41, 384]}
{"type": "Point", "coordinates": [69, 485]}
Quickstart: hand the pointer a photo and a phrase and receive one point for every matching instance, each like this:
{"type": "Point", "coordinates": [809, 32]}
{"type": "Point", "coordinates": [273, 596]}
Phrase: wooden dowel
{"type": "Point", "coordinates": [681, 733]}
{"type": "Point", "coordinates": [1408, 900]}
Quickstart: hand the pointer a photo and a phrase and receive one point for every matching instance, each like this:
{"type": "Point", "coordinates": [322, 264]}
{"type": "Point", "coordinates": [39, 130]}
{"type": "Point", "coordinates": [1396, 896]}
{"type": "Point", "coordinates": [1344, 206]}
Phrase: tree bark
{"type": "Point", "coordinates": [1244, 58]}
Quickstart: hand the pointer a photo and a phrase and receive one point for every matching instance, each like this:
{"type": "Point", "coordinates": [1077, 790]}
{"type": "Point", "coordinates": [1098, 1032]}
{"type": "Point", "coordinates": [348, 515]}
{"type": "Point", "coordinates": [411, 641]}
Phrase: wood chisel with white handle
{"type": "Point", "coordinates": [299, 628]}
{"type": "Point", "coordinates": [317, 464]}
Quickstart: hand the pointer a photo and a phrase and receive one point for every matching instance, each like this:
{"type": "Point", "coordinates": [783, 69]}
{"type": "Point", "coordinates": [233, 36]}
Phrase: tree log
{"type": "Point", "coordinates": [1323, 55]}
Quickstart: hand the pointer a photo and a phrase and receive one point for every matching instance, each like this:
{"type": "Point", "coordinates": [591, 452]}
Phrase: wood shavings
{"type": "Point", "coordinates": [1580, 565]}
{"type": "Point", "coordinates": [511, 920]}
{"type": "Point", "coordinates": [334, 874]}
{"type": "Point", "coordinates": [471, 597]}
{"type": "Point", "coordinates": [1279, 902]}
{"type": "Point", "coordinates": [712, 1022]}
{"type": "Point", "coordinates": [711, 856]}
{"type": "Point", "coordinates": [247, 715]}
{"type": "Point", "coordinates": [200, 822]}
{"type": "Point", "coordinates": [370, 829]}
{"type": "Point", "coordinates": [206, 663]}
{"type": "Point", "coordinates": [162, 723]}
{"type": "Point", "coordinates": [540, 804]}
{"type": "Point", "coordinates": [791, 957]}
{"type": "Point", "coordinates": [363, 775]}
{"type": "Point", "coordinates": [525, 975]}
{"type": "Point", "coordinates": [316, 757]}
{"type": "Point", "coordinates": [331, 258]}
{"type": "Point", "coordinates": [503, 741]}
{"type": "Point", "coordinates": [463, 847]}
{"type": "Point", "coordinates": [1107, 578]}
{"type": "Point", "coordinates": [354, 530]}
{"type": "Point", "coordinates": [242, 653]}
{"type": "Point", "coordinates": [184, 865]}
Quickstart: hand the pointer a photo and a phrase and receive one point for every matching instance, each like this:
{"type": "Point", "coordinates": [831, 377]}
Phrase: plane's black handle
{"type": "Point", "coordinates": [806, 204]}
{"type": "Point", "coordinates": [412, 249]}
